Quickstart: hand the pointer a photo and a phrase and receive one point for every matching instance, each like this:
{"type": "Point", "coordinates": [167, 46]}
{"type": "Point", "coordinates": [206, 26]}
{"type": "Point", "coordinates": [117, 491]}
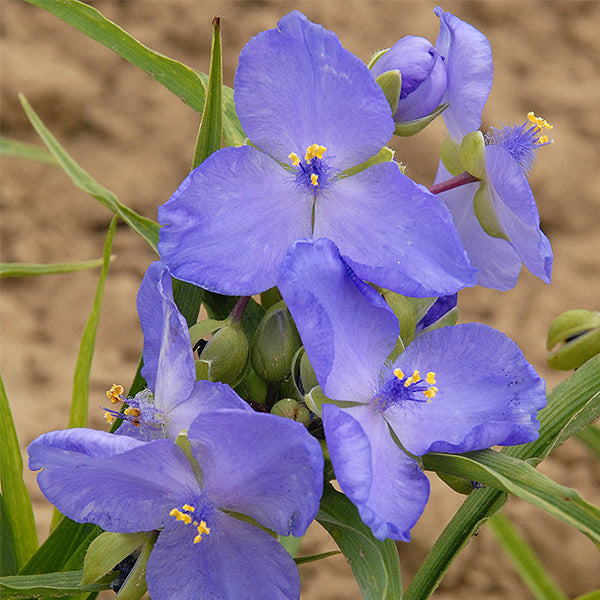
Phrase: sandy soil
{"type": "Point", "coordinates": [137, 140]}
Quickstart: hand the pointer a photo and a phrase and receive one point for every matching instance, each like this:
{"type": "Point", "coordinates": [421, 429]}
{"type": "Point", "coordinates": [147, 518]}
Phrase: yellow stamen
{"type": "Point", "coordinates": [188, 508]}
{"type": "Point", "coordinates": [414, 378]}
{"type": "Point", "coordinates": [314, 179]}
{"type": "Point", "coordinates": [181, 516]}
{"type": "Point", "coordinates": [430, 379]}
{"type": "Point", "coordinates": [543, 140]}
{"type": "Point", "coordinates": [202, 529]}
{"type": "Point", "coordinates": [132, 411]}
{"type": "Point", "coordinates": [115, 393]}
{"type": "Point", "coordinates": [314, 151]}
{"type": "Point", "coordinates": [398, 373]}
{"type": "Point", "coordinates": [109, 418]}
{"type": "Point", "coordinates": [294, 158]}
{"type": "Point", "coordinates": [431, 392]}
{"type": "Point", "coordinates": [538, 121]}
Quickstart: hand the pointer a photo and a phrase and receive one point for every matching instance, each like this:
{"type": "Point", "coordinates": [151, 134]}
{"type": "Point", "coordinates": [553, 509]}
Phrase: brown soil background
{"type": "Point", "coordinates": [137, 139]}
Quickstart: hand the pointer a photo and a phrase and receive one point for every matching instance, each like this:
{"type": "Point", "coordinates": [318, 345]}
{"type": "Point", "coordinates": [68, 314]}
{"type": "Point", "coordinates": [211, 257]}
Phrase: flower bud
{"type": "Point", "coordinates": [275, 342]}
{"type": "Point", "coordinates": [226, 354]}
{"type": "Point", "coordinates": [291, 409]}
{"type": "Point", "coordinates": [573, 338]}
{"type": "Point", "coordinates": [423, 76]}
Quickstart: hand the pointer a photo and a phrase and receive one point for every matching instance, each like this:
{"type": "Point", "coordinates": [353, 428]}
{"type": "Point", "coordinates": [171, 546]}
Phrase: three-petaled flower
{"type": "Point", "coordinates": [454, 389]}
{"type": "Point", "coordinates": [314, 116]}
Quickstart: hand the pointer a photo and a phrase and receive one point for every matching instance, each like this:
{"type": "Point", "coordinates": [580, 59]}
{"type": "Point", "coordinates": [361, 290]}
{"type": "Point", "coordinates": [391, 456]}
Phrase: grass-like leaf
{"type": "Point", "coordinates": [18, 512]}
{"type": "Point", "coordinates": [30, 269]}
{"type": "Point", "coordinates": [146, 228]}
{"type": "Point", "coordinates": [17, 149]}
{"type": "Point", "coordinates": [186, 83]}
{"type": "Point", "coordinates": [590, 436]}
{"type": "Point", "coordinates": [47, 585]}
{"type": "Point", "coordinates": [375, 564]}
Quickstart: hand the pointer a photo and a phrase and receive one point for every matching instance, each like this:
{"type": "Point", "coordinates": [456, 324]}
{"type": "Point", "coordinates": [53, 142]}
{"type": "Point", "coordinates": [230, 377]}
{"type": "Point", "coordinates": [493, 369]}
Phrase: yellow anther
{"type": "Point", "coordinates": [109, 418]}
{"type": "Point", "coordinates": [181, 516]}
{"type": "Point", "coordinates": [202, 529]}
{"type": "Point", "coordinates": [314, 151]}
{"type": "Point", "coordinates": [188, 508]}
{"type": "Point", "coordinates": [544, 140]}
{"type": "Point", "coordinates": [314, 179]}
{"type": "Point", "coordinates": [431, 392]}
{"type": "Point", "coordinates": [115, 393]}
{"type": "Point", "coordinates": [294, 158]}
{"type": "Point", "coordinates": [430, 379]}
{"type": "Point", "coordinates": [135, 412]}
{"type": "Point", "coordinates": [398, 373]}
{"type": "Point", "coordinates": [416, 376]}
{"type": "Point", "coordinates": [538, 121]}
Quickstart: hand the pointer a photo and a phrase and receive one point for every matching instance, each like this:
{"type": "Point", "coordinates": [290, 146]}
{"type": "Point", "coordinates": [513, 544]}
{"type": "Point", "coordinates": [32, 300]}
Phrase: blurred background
{"type": "Point", "coordinates": [137, 140]}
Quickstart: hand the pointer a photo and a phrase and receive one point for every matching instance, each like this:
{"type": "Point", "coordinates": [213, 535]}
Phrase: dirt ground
{"type": "Point", "coordinates": [137, 139]}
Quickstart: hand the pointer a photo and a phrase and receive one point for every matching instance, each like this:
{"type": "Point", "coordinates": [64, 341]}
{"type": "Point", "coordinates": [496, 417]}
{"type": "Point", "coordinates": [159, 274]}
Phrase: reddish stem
{"type": "Point", "coordinates": [453, 182]}
{"type": "Point", "coordinates": [238, 310]}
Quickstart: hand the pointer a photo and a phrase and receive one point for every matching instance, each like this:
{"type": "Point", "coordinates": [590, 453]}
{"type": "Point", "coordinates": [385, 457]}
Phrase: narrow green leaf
{"type": "Point", "coordinates": [17, 502]}
{"type": "Point", "coordinates": [590, 436]}
{"type": "Point", "coordinates": [184, 82]}
{"type": "Point", "coordinates": [567, 399]}
{"type": "Point", "coordinates": [532, 571]}
{"type": "Point", "coordinates": [375, 564]}
{"type": "Point", "coordinates": [78, 415]}
{"type": "Point", "coordinates": [211, 128]}
{"type": "Point", "coordinates": [63, 550]}
{"type": "Point", "coordinates": [301, 560]}
{"type": "Point", "coordinates": [595, 595]}
{"type": "Point", "coordinates": [47, 585]}
{"type": "Point", "coordinates": [28, 269]}
{"type": "Point", "coordinates": [8, 561]}
{"type": "Point", "coordinates": [146, 228]}
{"type": "Point", "coordinates": [18, 149]}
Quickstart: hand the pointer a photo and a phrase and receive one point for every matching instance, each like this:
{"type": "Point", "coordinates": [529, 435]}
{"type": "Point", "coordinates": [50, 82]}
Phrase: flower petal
{"type": "Point", "coordinates": [206, 397]}
{"type": "Point", "coordinates": [230, 222]}
{"type": "Point", "coordinates": [260, 465]}
{"type": "Point", "coordinates": [347, 328]}
{"type": "Point", "coordinates": [385, 484]}
{"type": "Point", "coordinates": [168, 361]}
{"type": "Point", "coordinates": [235, 560]}
{"type": "Point", "coordinates": [497, 263]}
{"type": "Point", "coordinates": [517, 211]}
{"type": "Point", "coordinates": [488, 394]}
{"type": "Point", "coordinates": [114, 481]}
{"type": "Point", "coordinates": [394, 232]}
{"type": "Point", "coordinates": [296, 86]}
{"type": "Point", "coordinates": [469, 69]}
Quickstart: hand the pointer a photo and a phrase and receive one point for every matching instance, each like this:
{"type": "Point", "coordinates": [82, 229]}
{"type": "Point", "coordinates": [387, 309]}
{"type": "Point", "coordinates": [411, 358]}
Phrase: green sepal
{"type": "Point", "coordinates": [291, 409]}
{"type": "Point", "coordinates": [472, 154]}
{"type": "Point", "coordinates": [183, 442]}
{"type": "Point", "coordinates": [252, 387]}
{"type": "Point", "coordinates": [204, 328]}
{"type": "Point", "coordinates": [376, 57]}
{"type": "Point", "coordinates": [107, 551]}
{"type": "Point", "coordinates": [307, 373]}
{"type": "Point", "coordinates": [384, 155]}
{"type": "Point", "coordinates": [315, 399]}
{"type": "Point", "coordinates": [450, 155]}
{"type": "Point", "coordinates": [408, 128]}
{"type": "Point", "coordinates": [391, 84]}
{"type": "Point", "coordinates": [573, 338]}
{"type": "Point", "coordinates": [485, 212]}
{"type": "Point", "coordinates": [409, 312]}
{"type": "Point", "coordinates": [135, 584]}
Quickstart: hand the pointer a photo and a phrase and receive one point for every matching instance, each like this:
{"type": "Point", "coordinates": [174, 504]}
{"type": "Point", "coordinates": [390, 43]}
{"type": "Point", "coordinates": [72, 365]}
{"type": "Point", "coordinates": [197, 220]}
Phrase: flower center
{"type": "Point", "coordinates": [185, 515]}
{"type": "Point", "coordinates": [397, 387]}
{"type": "Point", "coordinates": [521, 141]}
{"type": "Point", "coordinates": [141, 413]}
{"type": "Point", "coordinates": [311, 172]}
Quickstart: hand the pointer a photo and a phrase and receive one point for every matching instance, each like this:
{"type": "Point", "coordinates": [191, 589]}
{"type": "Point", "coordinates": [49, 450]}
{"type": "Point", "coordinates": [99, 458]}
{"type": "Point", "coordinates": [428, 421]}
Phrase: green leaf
{"type": "Point", "coordinates": [521, 479]}
{"type": "Point", "coordinates": [28, 269]}
{"type": "Point", "coordinates": [146, 228]}
{"type": "Point", "coordinates": [47, 585]}
{"type": "Point", "coordinates": [8, 562]}
{"type": "Point", "coordinates": [408, 128]}
{"type": "Point", "coordinates": [211, 127]}
{"type": "Point", "coordinates": [595, 595]}
{"type": "Point", "coordinates": [63, 550]}
{"type": "Point", "coordinates": [525, 561]}
{"type": "Point", "coordinates": [78, 415]}
{"type": "Point", "coordinates": [571, 397]}
{"type": "Point", "coordinates": [17, 502]}
{"type": "Point", "coordinates": [18, 149]}
{"type": "Point", "coordinates": [301, 560]}
{"type": "Point", "coordinates": [184, 82]}
{"type": "Point", "coordinates": [375, 564]}
{"type": "Point", "coordinates": [590, 436]}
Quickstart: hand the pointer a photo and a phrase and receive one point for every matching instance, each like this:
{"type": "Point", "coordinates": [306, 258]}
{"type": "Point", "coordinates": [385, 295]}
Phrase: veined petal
{"type": "Point", "coordinates": [260, 465]}
{"type": "Point", "coordinates": [394, 232]}
{"type": "Point", "coordinates": [469, 68]}
{"type": "Point", "coordinates": [296, 86]}
{"type": "Point", "coordinates": [487, 393]}
{"type": "Point", "coordinates": [168, 362]}
{"type": "Point", "coordinates": [497, 263]}
{"type": "Point", "coordinates": [517, 211]}
{"type": "Point", "coordinates": [235, 560]}
{"type": "Point", "coordinates": [206, 396]}
{"type": "Point", "coordinates": [114, 481]}
{"type": "Point", "coordinates": [385, 484]}
{"type": "Point", "coordinates": [230, 222]}
{"type": "Point", "coordinates": [347, 328]}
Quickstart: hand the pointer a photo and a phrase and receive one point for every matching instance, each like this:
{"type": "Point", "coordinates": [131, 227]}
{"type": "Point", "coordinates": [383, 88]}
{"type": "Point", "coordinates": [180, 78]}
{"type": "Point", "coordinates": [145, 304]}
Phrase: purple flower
{"type": "Point", "coordinates": [454, 389]}
{"type": "Point", "coordinates": [497, 218]}
{"type": "Point", "coordinates": [173, 397]}
{"type": "Point", "coordinates": [203, 550]}
{"type": "Point", "coordinates": [312, 112]}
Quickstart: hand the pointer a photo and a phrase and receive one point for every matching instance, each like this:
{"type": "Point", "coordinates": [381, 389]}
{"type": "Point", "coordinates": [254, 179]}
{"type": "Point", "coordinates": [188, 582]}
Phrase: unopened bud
{"type": "Point", "coordinates": [573, 338]}
{"type": "Point", "coordinates": [292, 409]}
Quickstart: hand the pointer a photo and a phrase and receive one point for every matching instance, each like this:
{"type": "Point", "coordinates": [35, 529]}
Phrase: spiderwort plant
{"type": "Point", "coordinates": [314, 116]}
{"type": "Point", "coordinates": [454, 389]}
{"type": "Point", "coordinates": [203, 508]}
{"type": "Point", "coordinates": [173, 397]}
